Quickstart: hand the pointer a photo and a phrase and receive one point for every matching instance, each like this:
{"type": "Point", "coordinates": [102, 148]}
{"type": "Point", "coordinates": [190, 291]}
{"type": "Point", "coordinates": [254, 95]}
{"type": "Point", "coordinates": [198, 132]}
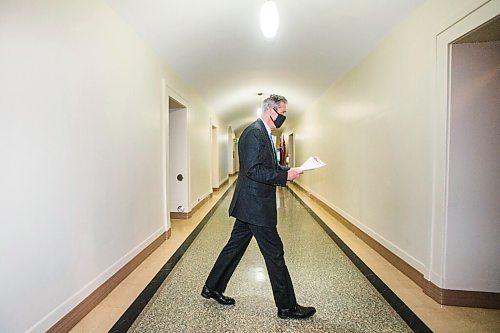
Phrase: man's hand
{"type": "Point", "coordinates": [294, 173]}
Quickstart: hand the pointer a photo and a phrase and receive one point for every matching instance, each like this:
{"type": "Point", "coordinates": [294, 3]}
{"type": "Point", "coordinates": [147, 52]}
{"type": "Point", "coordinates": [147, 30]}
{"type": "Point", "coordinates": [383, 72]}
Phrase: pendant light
{"type": "Point", "coordinates": [269, 19]}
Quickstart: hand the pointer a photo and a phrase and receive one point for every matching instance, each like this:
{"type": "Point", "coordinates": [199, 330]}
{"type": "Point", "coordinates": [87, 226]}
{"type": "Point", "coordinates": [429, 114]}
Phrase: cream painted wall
{"type": "Point", "coordinates": [222, 172]}
{"type": "Point", "coordinates": [230, 150]}
{"type": "Point", "coordinates": [473, 244]}
{"type": "Point", "coordinates": [199, 152]}
{"type": "Point", "coordinates": [214, 157]}
{"type": "Point", "coordinates": [223, 152]}
{"type": "Point", "coordinates": [375, 130]}
{"type": "Point", "coordinates": [81, 150]}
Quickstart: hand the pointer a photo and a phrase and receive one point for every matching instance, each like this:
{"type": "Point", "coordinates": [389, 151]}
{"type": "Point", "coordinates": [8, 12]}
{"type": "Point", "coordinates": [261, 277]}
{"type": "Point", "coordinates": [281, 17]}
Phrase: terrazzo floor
{"type": "Point", "coordinates": [322, 274]}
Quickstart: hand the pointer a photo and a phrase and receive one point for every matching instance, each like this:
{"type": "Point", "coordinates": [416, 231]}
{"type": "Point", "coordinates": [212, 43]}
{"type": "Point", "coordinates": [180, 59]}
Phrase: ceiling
{"type": "Point", "coordinates": [216, 46]}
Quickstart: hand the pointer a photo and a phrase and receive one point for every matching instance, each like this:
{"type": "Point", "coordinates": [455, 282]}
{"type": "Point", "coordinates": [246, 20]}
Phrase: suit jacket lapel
{"type": "Point", "coordinates": [269, 144]}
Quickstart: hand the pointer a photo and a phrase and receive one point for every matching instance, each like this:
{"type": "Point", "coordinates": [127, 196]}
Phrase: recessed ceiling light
{"type": "Point", "coordinates": [269, 19]}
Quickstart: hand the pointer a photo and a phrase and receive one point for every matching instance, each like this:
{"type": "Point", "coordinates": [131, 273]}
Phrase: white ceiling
{"type": "Point", "coordinates": [216, 46]}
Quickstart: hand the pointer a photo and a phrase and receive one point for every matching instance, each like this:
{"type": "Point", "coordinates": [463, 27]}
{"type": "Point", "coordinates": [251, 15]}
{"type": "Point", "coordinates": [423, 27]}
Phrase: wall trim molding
{"type": "Point", "coordinates": [66, 323]}
{"type": "Point", "coordinates": [188, 215]}
{"type": "Point", "coordinates": [179, 216]}
{"type": "Point", "coordinates": [472, 299]}
{"type": "Point", "coordinates": [224, 182]}
{"type": "Point", "coordinates": [475, 299]}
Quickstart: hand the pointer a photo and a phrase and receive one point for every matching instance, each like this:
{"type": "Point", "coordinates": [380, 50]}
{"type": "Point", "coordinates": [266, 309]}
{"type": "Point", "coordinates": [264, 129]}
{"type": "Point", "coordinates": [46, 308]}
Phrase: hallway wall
{"type": "Point", "coordinates": [81, 154]}
{"type": "Point", "coordinates": [223, 149]}
{"type": "Point", "coordinates": [374, 129]}
{"type": "Point", "coordinates": [223, 155]}
{"type": "Point", "coordinates": [199, 146]}
{"type": "Point", "coordinates": [230, 151]}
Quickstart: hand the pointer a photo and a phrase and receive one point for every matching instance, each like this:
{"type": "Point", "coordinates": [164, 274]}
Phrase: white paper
{"type": "Point", "coordinates": [312, 162]}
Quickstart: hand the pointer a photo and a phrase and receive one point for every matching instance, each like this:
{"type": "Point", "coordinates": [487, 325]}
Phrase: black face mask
{"type": "Point", "coordinates": [279, 120]}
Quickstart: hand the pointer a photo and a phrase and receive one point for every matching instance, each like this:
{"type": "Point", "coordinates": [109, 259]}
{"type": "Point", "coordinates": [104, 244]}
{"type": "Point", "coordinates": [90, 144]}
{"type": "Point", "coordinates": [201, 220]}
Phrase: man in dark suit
{"type": "Point", "coordinates": [254, 207]}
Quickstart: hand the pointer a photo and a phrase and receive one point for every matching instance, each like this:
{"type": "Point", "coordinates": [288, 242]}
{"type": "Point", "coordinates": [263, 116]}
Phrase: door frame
{"type": "Point", "coordinates": [436, 272]}
{"type": "Point", "coordinates": [167, 92]}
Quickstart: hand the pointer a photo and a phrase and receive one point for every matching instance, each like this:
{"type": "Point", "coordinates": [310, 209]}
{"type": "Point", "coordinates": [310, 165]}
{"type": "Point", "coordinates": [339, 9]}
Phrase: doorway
{"type": "Point", "coordinates": [466, 189]}
{"type": "Point", "coordinates": [178, 184]}
{"type": "Point", "coordinates": [474, 161]}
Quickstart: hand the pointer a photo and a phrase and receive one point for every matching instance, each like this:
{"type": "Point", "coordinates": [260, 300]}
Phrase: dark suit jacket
{"type": "Point", "coordinates": [254, 199]}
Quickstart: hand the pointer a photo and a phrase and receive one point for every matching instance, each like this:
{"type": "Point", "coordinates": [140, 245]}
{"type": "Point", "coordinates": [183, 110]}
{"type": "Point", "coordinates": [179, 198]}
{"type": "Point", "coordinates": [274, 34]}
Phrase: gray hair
{"type": "Point", "coordinates": [273, 101]}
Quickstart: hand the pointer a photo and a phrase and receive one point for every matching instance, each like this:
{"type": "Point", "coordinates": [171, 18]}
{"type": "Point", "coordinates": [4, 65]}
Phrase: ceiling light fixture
{"type": "Point", "coordinates": [269, 19]}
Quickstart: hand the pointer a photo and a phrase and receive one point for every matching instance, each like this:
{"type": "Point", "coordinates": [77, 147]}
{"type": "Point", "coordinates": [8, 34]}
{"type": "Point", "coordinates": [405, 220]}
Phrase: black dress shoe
{"type": "Point", "coordinates": [297, 312]}
{"type": "Point", "coordinates": [224, 300]}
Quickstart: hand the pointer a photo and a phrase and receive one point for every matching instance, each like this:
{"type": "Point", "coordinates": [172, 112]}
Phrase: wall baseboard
{"type": "Point", "coordinates": [215, 189]}
{"type": "Point", "coordinates": [475, 299]}
{"type": "Point", "coordinates": [472, 299]}
{"type": "Point", "coordinates": [66, 323]}
{"type": "Point", "coordinates": [179, 216]}
{"type": "Point", "coordinates": [188, 215]}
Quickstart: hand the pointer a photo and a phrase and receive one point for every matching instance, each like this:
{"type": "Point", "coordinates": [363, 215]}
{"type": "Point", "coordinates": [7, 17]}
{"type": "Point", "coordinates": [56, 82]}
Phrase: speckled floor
{"type": "Point", "coordinates": [323, 277]}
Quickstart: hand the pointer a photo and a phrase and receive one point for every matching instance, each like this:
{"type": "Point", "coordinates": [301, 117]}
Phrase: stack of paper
{"type": "Point", "coordinates": [312, 162]}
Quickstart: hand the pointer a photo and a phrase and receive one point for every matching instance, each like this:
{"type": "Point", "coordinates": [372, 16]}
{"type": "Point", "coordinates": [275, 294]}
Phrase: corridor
{"type": "Point", "coordinates": [121, 124]}
{"type": "Point", "coordinates": [323, 277]}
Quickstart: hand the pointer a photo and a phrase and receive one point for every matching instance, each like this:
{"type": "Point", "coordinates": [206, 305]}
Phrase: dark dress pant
{"type": "Point", "coordinates": [270, 246]}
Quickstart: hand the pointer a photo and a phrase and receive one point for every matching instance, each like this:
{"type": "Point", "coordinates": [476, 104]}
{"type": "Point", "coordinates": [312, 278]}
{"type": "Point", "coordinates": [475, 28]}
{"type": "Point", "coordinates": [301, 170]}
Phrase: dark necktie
{"type": "Point", "coordinates": [274, 150]}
